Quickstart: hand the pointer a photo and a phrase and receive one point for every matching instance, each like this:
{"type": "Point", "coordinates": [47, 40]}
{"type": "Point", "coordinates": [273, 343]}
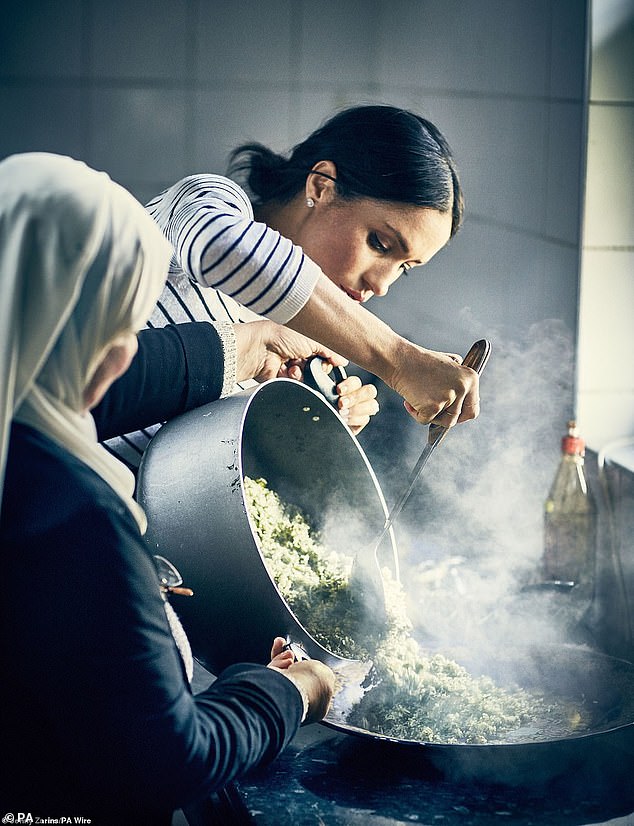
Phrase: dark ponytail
{"type": "Point", "coordinates": [380, 152]}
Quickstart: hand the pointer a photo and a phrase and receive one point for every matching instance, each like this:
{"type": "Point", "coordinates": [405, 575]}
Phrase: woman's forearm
{"type": "Point", "coordinates": [331, 317]}
{"type": "Point", "coordinates": [176, 368]}
{"type": "Point", "coordinates": [433, 383]}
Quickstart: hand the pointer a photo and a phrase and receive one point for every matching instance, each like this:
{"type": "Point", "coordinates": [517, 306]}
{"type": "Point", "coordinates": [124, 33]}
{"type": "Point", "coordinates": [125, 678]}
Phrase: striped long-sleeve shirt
{"type": "Point", "coordinates": [226, 268]}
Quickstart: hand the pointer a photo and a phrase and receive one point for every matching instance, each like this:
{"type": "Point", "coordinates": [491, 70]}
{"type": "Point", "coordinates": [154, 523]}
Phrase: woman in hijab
{"type": "Point", "coordinates": [98, 719]}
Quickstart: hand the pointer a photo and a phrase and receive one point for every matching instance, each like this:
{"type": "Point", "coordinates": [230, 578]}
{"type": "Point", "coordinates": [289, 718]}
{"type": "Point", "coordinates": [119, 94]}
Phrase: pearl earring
{"type": "Point", "coordinates": [310, 203]}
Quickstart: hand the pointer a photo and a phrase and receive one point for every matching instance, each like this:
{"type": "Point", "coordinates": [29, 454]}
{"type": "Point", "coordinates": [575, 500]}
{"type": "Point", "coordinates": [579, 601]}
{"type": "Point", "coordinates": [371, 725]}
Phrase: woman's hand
{"type": "Point", "coordinates": [436, 387]}
{"type": "Point", "coordinates": [433, 385]}
{"type": "Point", "coordinates": [314, 680]}
{"type": "Point", "coordinates": [281, 658]}
{"type": "Point", "coordinates": [357, 402]}
{"type": "Point", "coordinates": [266, 350]}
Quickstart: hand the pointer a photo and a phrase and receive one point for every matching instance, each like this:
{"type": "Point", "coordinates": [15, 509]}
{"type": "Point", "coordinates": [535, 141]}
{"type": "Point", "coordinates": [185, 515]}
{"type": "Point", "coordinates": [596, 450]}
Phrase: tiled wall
{"type": "Point", "coordinates": [606, 329]}
{"type": "Point", "coordinates": [151, 90]}
{"type": "Point", "coordinates": [606, 355]}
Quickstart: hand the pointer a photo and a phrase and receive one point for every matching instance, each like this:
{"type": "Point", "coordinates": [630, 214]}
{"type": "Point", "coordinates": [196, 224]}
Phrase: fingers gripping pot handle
{"type": "Point", "coordinates": [325, 383]}
{"type": "Point", "coordinates": [299, 653]}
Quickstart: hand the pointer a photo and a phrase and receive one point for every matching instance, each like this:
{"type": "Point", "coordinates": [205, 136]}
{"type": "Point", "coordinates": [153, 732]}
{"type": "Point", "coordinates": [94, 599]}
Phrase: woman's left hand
{"type": "Point", "coordinates": [357, 402]}
{"type": "Point", "coordinates": [281, 658]}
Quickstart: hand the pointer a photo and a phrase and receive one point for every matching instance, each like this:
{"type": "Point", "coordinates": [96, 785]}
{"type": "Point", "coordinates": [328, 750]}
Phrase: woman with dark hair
{"type": "Point", "coordinates": [378, 152]}
{"type": "Point", "coordinates": [370, 194]}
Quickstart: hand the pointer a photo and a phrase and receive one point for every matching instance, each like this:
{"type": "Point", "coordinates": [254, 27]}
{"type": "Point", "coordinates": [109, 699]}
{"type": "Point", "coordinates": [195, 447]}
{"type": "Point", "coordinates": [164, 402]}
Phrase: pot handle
{"type": "Point", "coordinates": [324, 383]}
{"type": "Point", "coordinates": [299, 652]}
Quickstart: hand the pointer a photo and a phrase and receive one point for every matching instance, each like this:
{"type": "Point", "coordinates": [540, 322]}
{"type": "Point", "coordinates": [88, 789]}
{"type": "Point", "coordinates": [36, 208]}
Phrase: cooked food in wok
{"type": "Point", "coordinates": [410, 694]}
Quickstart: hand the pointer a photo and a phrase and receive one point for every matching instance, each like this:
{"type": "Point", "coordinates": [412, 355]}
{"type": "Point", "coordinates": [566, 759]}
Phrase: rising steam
{"type": "Point", "coordinates": [471, 534]}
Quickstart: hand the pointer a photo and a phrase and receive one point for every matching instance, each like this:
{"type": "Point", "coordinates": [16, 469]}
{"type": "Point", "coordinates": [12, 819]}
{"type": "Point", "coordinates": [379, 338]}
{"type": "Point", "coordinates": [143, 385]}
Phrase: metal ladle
{"type": "Point", "coordinates": [366, 568]}
{"type": "Point", "coordinates": [476, 359]}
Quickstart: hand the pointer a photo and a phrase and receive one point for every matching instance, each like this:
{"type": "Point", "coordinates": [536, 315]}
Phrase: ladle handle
{"type": "Point", "coordinates": [476, 359]}
{"type": "Point", "coordinates": [478, 355]}
{"type": "Point", "coordinates": [325, 383]}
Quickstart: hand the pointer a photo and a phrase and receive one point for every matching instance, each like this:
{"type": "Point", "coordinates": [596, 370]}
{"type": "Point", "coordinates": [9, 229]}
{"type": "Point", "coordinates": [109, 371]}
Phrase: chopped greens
{"type": "Point", "coordinates": [416, 696]}
{"type": "Point", "coordinates": [314, 581]}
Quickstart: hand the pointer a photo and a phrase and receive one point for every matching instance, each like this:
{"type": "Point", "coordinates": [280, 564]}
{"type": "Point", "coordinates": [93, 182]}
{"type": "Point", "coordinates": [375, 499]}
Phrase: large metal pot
{"type": "Point", "coordinates": [191, 487]}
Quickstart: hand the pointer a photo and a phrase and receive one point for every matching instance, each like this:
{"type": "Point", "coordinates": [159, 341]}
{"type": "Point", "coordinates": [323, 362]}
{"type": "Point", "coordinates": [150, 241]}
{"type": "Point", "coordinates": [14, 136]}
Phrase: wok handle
{"type": "Point", "coordinates": [324, 383]}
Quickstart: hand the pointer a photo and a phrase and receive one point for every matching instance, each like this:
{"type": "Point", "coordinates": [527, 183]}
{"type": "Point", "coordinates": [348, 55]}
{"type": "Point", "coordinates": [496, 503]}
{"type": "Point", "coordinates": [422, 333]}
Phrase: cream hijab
{"type": "Point", "coordinates": [81, 262]}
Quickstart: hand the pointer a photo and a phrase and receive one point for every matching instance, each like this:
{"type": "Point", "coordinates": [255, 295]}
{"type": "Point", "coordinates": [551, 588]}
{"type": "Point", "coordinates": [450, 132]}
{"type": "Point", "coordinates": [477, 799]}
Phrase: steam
{"type": "Point", "coordinates": [471, 535]}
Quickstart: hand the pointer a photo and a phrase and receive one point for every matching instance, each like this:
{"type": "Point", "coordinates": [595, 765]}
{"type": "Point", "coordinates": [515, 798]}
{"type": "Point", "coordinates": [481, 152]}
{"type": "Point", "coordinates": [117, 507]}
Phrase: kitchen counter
{"type": "Point", "coordinates": [326, 778]}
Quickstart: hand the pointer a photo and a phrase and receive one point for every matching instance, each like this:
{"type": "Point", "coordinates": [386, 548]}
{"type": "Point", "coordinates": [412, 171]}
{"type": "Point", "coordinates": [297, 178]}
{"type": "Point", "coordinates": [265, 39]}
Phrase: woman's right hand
{"type": "Point", "coordinates": [313, 679]}
{"type": "Point", "coordinates": [317, 682]}
{"type": "Point", "coordinates": [435, 386]}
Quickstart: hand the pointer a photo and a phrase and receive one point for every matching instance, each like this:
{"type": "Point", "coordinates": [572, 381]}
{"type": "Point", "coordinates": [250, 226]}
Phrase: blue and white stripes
{"type": "Point", "coordinates": [209, 221]}
{"type": "Point", "coordinates": [227, 268]}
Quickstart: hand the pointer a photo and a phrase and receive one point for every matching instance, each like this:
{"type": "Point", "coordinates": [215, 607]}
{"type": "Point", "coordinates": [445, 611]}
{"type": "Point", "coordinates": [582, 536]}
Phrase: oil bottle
{"type": "Point", "coordinates": [570, 522]}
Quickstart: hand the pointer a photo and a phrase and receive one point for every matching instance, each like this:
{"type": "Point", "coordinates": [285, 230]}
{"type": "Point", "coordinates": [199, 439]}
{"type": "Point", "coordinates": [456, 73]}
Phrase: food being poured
{"type": "Point", "coordinates": [415, 696]}
{"type": "Point", "coordinates": [314, 581]}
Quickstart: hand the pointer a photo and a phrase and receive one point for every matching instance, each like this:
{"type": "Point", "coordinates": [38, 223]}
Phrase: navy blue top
{"type": "Point", "coordinates": [97, 717]}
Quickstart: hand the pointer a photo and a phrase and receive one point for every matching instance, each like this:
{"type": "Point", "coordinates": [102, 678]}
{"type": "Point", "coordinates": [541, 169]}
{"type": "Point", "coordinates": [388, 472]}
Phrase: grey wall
{"type": "Point", "coordinates": [151, 90]}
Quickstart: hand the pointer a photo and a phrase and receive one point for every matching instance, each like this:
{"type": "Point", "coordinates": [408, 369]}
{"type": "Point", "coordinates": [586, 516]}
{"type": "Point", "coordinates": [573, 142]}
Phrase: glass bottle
{"type": "Point", "coordinates": [570, 521]}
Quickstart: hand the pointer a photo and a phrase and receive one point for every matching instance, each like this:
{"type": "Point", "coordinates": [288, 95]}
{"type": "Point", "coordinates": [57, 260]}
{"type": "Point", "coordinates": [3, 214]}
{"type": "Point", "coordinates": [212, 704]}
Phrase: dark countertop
{"type": "Point", "coordinates": [328, 778]}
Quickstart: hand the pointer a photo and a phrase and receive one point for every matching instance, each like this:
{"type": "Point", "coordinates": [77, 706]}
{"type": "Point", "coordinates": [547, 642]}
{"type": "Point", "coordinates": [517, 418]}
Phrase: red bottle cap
{"type": "Point", "coordinates": [572, 444]}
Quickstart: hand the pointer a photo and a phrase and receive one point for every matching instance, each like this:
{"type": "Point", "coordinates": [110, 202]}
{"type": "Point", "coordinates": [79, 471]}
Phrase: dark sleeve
{"type": "Point", "coordinates": [93, 645]}
{"type": "Point", "coordinates": [176, 368]}
{"type": "Point", "coordinates": [187, 746]}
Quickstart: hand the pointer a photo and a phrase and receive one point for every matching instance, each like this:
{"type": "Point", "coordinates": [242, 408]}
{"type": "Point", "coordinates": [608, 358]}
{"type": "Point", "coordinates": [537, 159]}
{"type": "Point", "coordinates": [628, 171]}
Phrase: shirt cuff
{"type": "Point", "coordinates": [227, 337]}
{"type": "Point", "coordinates": [302, 694]}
